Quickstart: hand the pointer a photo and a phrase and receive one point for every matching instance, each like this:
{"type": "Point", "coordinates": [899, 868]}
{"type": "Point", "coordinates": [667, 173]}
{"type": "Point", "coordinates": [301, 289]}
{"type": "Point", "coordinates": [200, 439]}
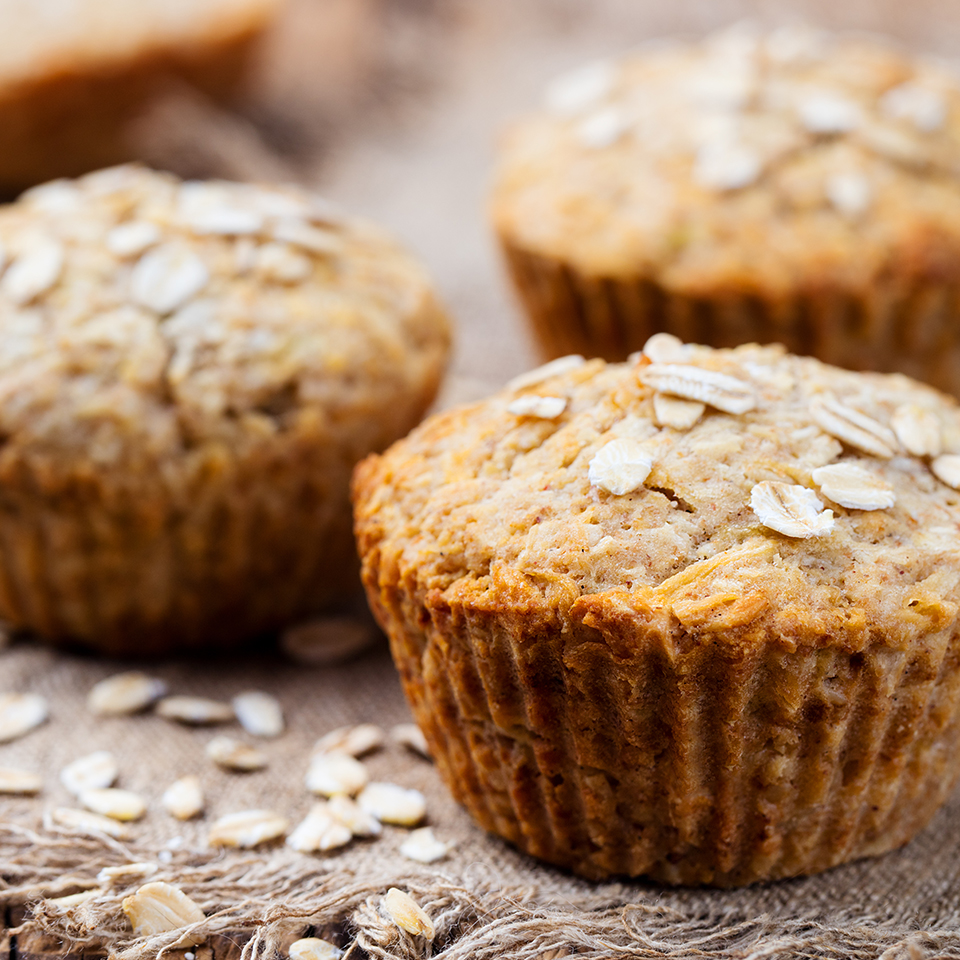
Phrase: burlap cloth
{"type": "Point", "coordinates": [391, 106]}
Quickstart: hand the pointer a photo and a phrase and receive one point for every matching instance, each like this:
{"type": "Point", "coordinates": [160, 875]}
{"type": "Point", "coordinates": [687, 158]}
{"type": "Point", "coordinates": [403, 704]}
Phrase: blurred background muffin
{"type": "Point", "coordinates": [188, 372]}
{"type": "Point", "coordinates": [73, 75]}
{"type": "Point", "coordinates": [782, 185]}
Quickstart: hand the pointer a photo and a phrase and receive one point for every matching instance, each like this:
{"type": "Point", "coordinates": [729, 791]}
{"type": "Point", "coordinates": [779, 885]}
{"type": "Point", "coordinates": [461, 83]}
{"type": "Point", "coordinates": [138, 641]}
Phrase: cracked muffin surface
{"type": "Point", "coordinates": [695, 616]}
{"type": "Point", "coordinates": [203, 361]}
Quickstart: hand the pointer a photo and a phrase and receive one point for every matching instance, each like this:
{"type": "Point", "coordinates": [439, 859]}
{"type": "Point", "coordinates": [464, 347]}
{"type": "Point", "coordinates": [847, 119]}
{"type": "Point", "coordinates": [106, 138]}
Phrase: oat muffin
{"type": "Point", "coordinates": [73, 73]}
{"type": "Point", "coordinates": [695, 616]}
{"type": "Point", "coordinates": [188, 372]}
{"type": "Point", "coordinates": [784, 186]}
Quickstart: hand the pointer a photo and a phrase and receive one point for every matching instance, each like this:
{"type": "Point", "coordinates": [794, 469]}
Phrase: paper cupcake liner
{"type": "Point", "coordinates": [687, 763]}
{"type": "Point", "coordinates": [911, 327]}
{"type": "Point", "coordinates": [133, 566]}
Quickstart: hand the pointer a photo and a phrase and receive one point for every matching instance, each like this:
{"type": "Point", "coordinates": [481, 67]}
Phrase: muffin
{"type": "Point", "coordinates": [72, 75]}
{"type": "Point", "coordinates": [787, 187]}
{"type": "Point", "coordinates": [188, 373]}
{"type": "Point", "coordinates": [694, 617]}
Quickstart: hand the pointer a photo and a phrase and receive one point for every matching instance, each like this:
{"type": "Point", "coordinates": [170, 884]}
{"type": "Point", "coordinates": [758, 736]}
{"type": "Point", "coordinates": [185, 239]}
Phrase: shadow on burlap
{"type": "Point", "coordinates": [485, 898]}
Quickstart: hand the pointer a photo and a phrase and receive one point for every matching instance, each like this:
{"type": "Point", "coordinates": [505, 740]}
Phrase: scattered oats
{"type": "Point", "coordinates": [20, 713]}
{"type": "Point", "coordinates": [94, 771]}
{"type": "Point", "coordinates": [327, 640]}
{"type": "Point", "coordinates": [165, 856]}
{"type": "Point", "coordinates": [195, 710]}
{"type": "Point", "coordinates": [676, 413]}
{"type": "Point", "coordinates": [259, 713]}
{"type": "Point", "coordinates": [850, 193]}
{"type": "Point", "coordinates": [355, 741]}
{"type": "Point", "coordinates": [310, 238]}
{"type": "Point", "coordinates": [717, 390]}
{"type": "Point", "coordinates": [127, 872]}
{"type": "Point", "coordinates": [131, 239]}
{"type": "Point", "coordinates": [313, 948]}
{"type": "Point", "coordinates": [947, 468]}
{"type": "Point", "coordinates": [620, 466]}
{"type": "Point", "coordinates": [554, 368]}
{"type": "Point", "coordinates": [424, 847]}
{"type": "Point", "coordinates": [127, 692]}
{"type": "Point", "coordinates": [183, 799]}
{"type": "Point", "coordinates": [281, 263]}
{"type": "Point", "coordinates": [248, 828]}
{"type": "Point", "coordinates": [533, 405]}
{"type": "Point", "coordinates": [349, 813]}
{"type": "Point", "coordinates": [603, 128]}
{"type": "Point", "coordinates": [726, 165]}
{"type": "Point", "coordinates": [233, 754]}
{"type": "Point", "coordinates": [333, 773]}
{"type": "Point", "coordinates": [33, 272]}
{"type": "Point", "coordinates": [114, 803]}
{"type": "Point", "coordinates": [926, 109]}
{"type": "Point", "coordinates": [390, 803]}
{"type": "Point", "coordinates": [853, 427]}
{"type": "Point", "coordinates": [854, 487]}
{"type": "Point", "coordinates": [159, 907]}
{"type": "Point", "coordinates": [666, 348]}
{"type": "Point", "coordinates": [166, 277]}
{"type": "Point", "coordinates": [19, 781]}
{"type": "Point", "coordinates": [404, 911]}
{"type": "Point", "coordinates": [189, 955]}
{"type": "Point", "coordinates": [918, 430]}
{"type": "Point", "coordinates": [828, 113]}
{"type": "Point", "coordinates": [87, 822]}
{"type": "Point", "coordinates": [409, 735]}
{"type": "Point", "coordinates": [319, 831]}
{"type": "Point", "coordinates": [580, 89]}
{"type": "Point", "coordinates": [72, 900]}
{"type": "Point", "coordinates": [790, 509]}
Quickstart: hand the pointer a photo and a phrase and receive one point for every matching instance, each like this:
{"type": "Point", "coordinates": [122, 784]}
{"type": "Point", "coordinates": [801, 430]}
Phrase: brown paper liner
{"type": "Point", "coordinates": [132, 565]}
{"type": "Point", "coordinates": [685, 760]}
{"type": "Point", "coordinates": [906, 326]}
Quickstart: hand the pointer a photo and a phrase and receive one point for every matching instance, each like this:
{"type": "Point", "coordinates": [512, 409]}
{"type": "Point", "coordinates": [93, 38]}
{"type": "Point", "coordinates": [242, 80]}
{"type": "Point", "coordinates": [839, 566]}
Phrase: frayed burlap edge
{"type": "Point", "coordinates": [260, 903]}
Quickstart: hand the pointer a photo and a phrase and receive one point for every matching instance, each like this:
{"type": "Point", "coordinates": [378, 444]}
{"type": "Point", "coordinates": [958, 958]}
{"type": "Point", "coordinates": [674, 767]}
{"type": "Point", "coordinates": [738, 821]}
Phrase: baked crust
{"type": "Point", "coordinates": [659, 683]}
{"type": "Point", "coordinates": [188, 372]}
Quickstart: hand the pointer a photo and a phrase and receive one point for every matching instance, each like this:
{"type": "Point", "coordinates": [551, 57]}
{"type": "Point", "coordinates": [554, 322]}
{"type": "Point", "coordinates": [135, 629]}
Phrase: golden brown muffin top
{"type": "Point", "coordinates": [712, 491]}
{"type": "Point", "coordinates": [141, 315]}
{"type": "Point", "coordinates": [759, 162]}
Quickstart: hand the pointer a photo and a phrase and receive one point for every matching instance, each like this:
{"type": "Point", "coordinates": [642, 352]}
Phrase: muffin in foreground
{"type": "Point", "coordinates": [73, 76]}
{"type": "Point", "coordinates": [771, 187]}
{"type": "Point", "coordinates": [693, 617]}
{"type": "Point", "coordinates": [188, 373]}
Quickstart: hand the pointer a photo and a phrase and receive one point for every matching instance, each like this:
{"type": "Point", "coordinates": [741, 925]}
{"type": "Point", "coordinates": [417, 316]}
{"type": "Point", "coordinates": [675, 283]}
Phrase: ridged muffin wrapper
{"type": "Point", "coordinates": [906, 325]}
{"type": "Point", "coordinates": [135, 564]}
{"type": "Point", "coordinates": [612, 748]}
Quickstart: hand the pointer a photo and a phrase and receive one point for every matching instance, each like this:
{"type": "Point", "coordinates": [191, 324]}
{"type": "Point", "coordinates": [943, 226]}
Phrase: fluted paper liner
{"type": "Point", "coordinates": [901, 325]}
{"type": "Point", "coordinates": [660, 750]}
